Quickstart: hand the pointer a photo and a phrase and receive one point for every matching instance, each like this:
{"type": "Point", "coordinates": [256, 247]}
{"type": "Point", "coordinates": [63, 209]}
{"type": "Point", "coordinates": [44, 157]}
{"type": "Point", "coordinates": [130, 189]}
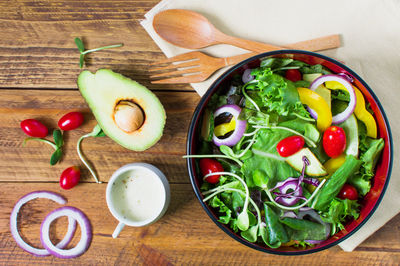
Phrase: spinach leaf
{"type": "Point", "coordinates": [250, 234]}
{"type": "Point", "coordinates": [275, 230]}
{"type": "Point", "coordinates": [304, 229]}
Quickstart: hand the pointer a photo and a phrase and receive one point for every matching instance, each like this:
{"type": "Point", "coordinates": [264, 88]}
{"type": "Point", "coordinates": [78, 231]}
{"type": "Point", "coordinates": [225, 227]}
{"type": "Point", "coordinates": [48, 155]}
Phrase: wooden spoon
{"type": "Point", "coordinates": [192, 30]}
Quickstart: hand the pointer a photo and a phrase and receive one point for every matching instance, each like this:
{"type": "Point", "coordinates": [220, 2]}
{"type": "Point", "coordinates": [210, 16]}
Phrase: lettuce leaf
{"type": "Point", "coordinates": [276, 94]}
{"type": "Point", "coordinates": [271, 165]}
{"type": "Point", "coordinates": [339, 211]}
{"type": "Point", "coordinates": [370, 150]}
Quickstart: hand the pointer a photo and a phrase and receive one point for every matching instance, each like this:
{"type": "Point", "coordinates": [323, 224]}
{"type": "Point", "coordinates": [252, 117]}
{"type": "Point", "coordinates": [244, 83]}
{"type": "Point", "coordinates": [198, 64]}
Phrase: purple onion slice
{"type": "Point", "coordinates": [86, 232]}
{"type": "Point", "coordinates": [341, 117]}
{"type": "Point", "coordinates": [240, 125]}
{"type": "Point", "coordinates": [14, 218]}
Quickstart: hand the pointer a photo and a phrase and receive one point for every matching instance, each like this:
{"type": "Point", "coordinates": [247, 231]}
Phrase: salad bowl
{"type": "Point", "coordinates": [367, 203]}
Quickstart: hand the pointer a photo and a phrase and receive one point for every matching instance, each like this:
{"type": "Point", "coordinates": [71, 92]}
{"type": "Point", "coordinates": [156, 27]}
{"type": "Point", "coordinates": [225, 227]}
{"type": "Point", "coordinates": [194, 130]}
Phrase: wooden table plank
{"type": "Point", "coordinates": [31, 163]}
{"type": "Point", "coordinates": [34, 54]}
{"type": "Point", "coordinates": [185, 235]}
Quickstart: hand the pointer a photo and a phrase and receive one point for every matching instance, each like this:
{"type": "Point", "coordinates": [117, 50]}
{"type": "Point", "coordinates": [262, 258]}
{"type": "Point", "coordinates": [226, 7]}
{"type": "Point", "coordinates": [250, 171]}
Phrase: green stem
{"type": "Point", "coordinates": [304, 118]}
{"type": "Point", "coordinates": [41, 140]}
{"type": "Point", "coordinates": [296, 207]}
{"type": "Point", "coordinates": [248, 146]}
{"type": "Point", "coordinates": [214, 156]}
{"type": "Point", "coordinates": [240, 192]}
{"type": "Point", "coordinates": [248, 97]}
{"type": "Point", "coordinates": [246, 202]}
{"type": "Point", "coordinates": [102, 48]}
{"type": "Point", "coordinates": [309, 141]}
{"type": "Point", "coordinates": [78, 148]}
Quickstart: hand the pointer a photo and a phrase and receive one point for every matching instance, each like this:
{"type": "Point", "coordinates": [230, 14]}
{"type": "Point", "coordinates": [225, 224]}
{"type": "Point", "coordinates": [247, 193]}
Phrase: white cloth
{"type": "Point", "coordinates": [370, 46]}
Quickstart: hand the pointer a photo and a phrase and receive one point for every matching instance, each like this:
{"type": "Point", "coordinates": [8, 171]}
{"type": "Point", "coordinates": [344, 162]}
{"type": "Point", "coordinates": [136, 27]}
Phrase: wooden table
{"type": "Point", "coordinates": [39, 67]}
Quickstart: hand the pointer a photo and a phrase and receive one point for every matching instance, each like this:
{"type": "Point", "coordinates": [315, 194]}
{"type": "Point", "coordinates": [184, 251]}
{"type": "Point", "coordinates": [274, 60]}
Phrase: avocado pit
{"type": "Point", "coordinates": [128, 116]}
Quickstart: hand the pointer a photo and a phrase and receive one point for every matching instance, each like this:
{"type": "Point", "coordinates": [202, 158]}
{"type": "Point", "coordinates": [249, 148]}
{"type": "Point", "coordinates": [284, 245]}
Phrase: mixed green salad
{"type": "Point", "coordinates": [287, 151]}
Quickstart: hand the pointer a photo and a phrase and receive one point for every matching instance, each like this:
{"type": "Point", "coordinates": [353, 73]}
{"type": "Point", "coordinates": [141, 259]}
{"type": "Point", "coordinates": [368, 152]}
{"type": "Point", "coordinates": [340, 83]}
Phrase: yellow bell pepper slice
{"type": "Point", "coordinates": [360, 111]}
{"type": "Point", "coordinates": [334, 163]}
{"type": "Point", "coordinates": [222, 129]}
{"type": "Point", "coordinates": [331, 166]}
{"type": "Point", "coordinates": [319, 105]}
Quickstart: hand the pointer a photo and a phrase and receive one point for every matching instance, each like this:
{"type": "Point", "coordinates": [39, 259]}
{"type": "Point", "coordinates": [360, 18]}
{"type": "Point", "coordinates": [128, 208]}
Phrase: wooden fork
{"type": "Point", "coordinates": [196, 66]}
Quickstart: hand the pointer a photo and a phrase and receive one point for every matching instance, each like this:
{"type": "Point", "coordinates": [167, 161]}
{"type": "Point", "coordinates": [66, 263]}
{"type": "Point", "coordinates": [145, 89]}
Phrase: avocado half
{"type": "Point", "coordinates": [105, 90]}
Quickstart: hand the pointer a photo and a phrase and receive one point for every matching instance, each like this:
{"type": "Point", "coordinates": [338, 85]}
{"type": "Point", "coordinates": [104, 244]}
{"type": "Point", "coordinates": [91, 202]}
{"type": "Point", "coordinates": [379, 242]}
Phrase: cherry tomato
{"type": "Point", "coordinates": [208, 166]}
{"type": "Point", "coordinates": [334, 141]}
{"type": "Point", "coordinates": [70, 121]}
{"type": "Point", "coordinates": [293, 75]}
{"type": "Point", "coordinates": [70, 177]}
{"type": "Point", "coordinates": [348, 192]}
{"type": "Point", "coordinates": [290, 145]}
{"type": "Point", "coordinates": [34, 128]}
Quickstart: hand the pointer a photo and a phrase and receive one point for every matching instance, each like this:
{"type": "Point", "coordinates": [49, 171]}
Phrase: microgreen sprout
{"type": "Point", "coordinates": [97, 132]}
{"type": "Point", "coordinates": [83, 52]}
{"type": "Point", "coordinates": [57, 145]}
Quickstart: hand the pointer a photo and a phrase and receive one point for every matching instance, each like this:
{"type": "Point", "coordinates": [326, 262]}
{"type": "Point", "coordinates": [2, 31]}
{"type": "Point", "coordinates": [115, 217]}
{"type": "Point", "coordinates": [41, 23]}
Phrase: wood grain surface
{"type": "Point", "coordinates": [39, 64]}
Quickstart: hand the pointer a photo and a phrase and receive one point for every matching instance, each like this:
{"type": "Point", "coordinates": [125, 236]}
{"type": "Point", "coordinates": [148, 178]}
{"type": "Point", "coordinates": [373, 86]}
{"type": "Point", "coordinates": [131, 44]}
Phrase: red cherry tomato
{"type": "Point", "coordinates": [290, 145]}
{"type": "Point", "coordinates": [348, 192]}
{"type": "Point", "coordinates": [34, 128]}
{"type": "Point", "coordinates": [70, 121]}
{"type": "Point", "coordinates": [334, 141]}
{"type": "Point", "coordinates": [208, 166]}
{"type": "Point", "coordinates": [70, 177]}
{"type": "Point", "coordinates": [293, 75]}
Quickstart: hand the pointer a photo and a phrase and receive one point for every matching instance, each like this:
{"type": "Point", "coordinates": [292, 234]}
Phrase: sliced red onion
{"type": "Point", "coordinates": [240, 125]}
{"type": "Point", "coordinates": [312, 181]}
{"type": "Point", "coordinates": [292, 198]}
{"type": "Point", "coordinates": [14, 219]}
{"type": "Point", "coordinates": [347, 77]}
{"type": "Point", "coordinates": [314, 242]}
{"type": "Point", "coordinates": [246, 77]}
{"type": "Point", "coordinates": [86, 232]}
{"type": "Point", "coordinates": [341, 117]}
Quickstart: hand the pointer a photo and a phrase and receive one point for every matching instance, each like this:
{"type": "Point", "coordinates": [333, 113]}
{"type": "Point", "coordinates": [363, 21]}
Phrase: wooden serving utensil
{"type": "Point", "coordinates": [191, 67]}
{"type": "Point", "coordinates": [192, 30]}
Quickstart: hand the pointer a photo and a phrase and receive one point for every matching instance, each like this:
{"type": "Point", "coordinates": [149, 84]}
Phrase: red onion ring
{"type": "Point", "coordinates": [14, 218]}
{"type": "Point", "coordinates": [341, 117]}
{"type": "Point", "coordinates": [240, 126]}
{"type": "Point", "coordinates": [86, 232]}
{"type": "Point", "coordinates": [289, 199]}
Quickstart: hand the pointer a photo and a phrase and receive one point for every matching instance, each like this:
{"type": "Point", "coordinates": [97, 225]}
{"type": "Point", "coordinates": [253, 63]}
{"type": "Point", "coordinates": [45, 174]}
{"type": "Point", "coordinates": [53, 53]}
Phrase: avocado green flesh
{"type": "Point", "coordinates": [105, 89]}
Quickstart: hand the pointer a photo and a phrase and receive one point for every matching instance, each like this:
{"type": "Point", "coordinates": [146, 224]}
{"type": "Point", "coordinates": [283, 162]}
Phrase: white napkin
{"type": "Point", "coordinates": [370, 46]}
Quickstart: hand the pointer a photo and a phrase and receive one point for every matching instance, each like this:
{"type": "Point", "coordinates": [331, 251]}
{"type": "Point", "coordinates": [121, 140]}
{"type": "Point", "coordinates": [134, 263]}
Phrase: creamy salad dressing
{"type": "Point", "coordinates": [139, 195]}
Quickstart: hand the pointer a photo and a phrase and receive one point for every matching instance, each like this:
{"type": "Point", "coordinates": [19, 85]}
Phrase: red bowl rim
{"type": "Point", "coordinates": [191, 143]}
